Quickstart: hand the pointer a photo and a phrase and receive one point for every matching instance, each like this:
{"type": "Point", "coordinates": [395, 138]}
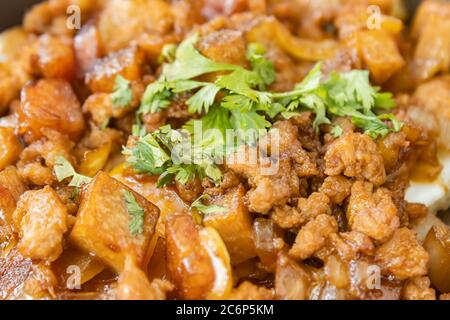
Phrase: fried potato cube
{"type": "Point", "coordinates": [53, 57]}
{"type": "Point", "coordinates": [10, 147]}
{"type": "Point", "coordinates": [102, 224]}
{"type": "Point", "coordinates": [234, 225]}
{"type": "Point", "coordinates": [188, 264]}
{"type": "Point", "coordinates": [52, 104]}
{"type": "Point", "coordinates": [380, 53]}
{"type": "Point", "coordinates": [127, 63]}
{"type": "Point", "coordinates": [10, 179]}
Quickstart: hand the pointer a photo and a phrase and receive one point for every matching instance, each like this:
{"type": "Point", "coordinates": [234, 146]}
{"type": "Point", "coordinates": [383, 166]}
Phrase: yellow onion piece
{"type": "Point", "coordinates": [94, 160]}
{"type": "Point", "coordinates": [220, 260]}
{"type": "Point", "coordinates": [88, 265]}
{"type": "Point", "coordinates": [437, 243]}
{"type": "Point", "coordinates": [270, 30]}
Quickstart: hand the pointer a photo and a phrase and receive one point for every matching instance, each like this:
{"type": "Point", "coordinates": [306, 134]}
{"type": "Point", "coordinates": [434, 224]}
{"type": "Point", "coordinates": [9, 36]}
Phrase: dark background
{"type": "Point", "coordinates": [11, 11]}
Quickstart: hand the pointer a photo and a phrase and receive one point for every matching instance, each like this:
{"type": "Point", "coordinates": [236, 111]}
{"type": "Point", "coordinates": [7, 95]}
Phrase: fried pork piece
{"type": "Point", "coordinates": [86, 45]}
{"type": "Point", "coordinates": [249, 291]}
{"type": "Point", "coordinates": [40, 222]}
{"type": "Point", "coordinates": [133, 284]}
{"type": "Point", "coordinates": [313, 236]}
{"type": "Point", "coordinates": [101, 107]}
{"type": "Point", "coordinates": [36, 162]}
{"type": "Point", "coordinates": [7, 207]}
{"type": "Point", "coordinates": [419, 289]}
{"type": "Point", "coordinates": [22, 279]}
{"type": "Point", "coordinates": [11, 180]}
{"type": "Point", "coordinates": [153, 17]}
{"type": "Point", "coordinates": [226, 46]}
{"type": "Point", "coordinates": [347, 246]}
{"type": "Point", "coordinates": [431, 28]}
{"type": "Point", "coordinates": [355, 155]}
{"type": "Point", "coordinates": [102, 226]}
{"type": "Point", "coordinates": [337, 188]}
{"type": "Point", "coordinates": [50, 16]}
{"type": "Point", "coordinates": [307, 209]}
{"type": "Point", "coordinates": [53, 57]}
{"type": "Point", "coordinates": [445, 296]}
{"type": "Point", "coordinates": [291, 280]}
{"type": "Point", "coordinates": [234, 225]}
{"type": "Point", "coordinates": [402, 256]}
{"type": "Point", "coordinates": [273, 183]}
{"type": "Point", "coordinates": [127, 63]}
{"type": "Point", "coordinates": [188, 264]}
{"type": "Point", "coordinates": [14, 64]}
{"type": "Point", "coordinates": [372, 213]}
{"type": "Point", "coordinates": [430, 107]}
{"type": "Point", "coordinates": [50, 104]}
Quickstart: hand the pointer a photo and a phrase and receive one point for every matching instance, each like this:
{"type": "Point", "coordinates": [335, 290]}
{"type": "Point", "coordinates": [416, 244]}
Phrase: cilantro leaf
{"type": "Point", "coordinates": [207, 209]}
{"type": "Point", "coordinates": [122, 95]}
{"type": "Point", "coordinates": [336, 131]}
{"type": "Point", "coordinates": [190, 63]}
{"type": "Point", "coordinates": [263, 67]}
{"type": "Point", "coordinates": [136, 212]}
{"type": "Point", "coordinates": [63, 169]}
{"type": "Point", "coordinates": [203, 99]}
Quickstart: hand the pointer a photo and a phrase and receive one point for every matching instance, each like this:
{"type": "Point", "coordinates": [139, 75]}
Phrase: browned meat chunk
{"type": "Point", "coordinates": [51, 104]}
{"type": "Point", "coordinates": [337, 188]}
{"type": "Point", "coordinates": [355, 155]}
{"type": "Point", "coordinates": [307, 209]}
{"type": "Point", "coordinates": [40, 221]}
{"type": "Point", "coordinates": [313, 236]}
{"type": "Point", "coordinates": [402, 256]}
{"type": "Point", "coordinates": [419, 289]}
{"type": "Point", "coordinates": [291, 280]}
{"type": "Point", "coordinates": [103, 228]}
{"type": "Point", "coordinates": [273, 183]}
{"type": "Point", "coordinates": [36, 162]}
{"type": "Point", "coordinates": [87, 48]}
{"type": "Point", "coordinates": [126, 63]}
{"type": "Point", "coordinates": [10, 179]}
{"type": "Point", "coordinates": [249, 291]}
{"type": "Point", "coordinates": [133, 284]}
{"type": "Point", "coordinates": [431, 101]}
{"type": "Point", "coordinates": [226, 46]}
{"type": "Point", "coordinates": [372, 213]}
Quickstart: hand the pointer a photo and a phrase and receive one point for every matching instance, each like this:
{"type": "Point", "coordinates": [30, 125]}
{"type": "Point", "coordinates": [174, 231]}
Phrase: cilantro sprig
{"type": "Point", "coordinates": [238, 99]}
{"type": "Point", "coordinates": [172, 154]}
{"type": "Point", "coordinates": [136, 212]}
{"type": "Point", "coordinates": [122, 95]}
{"type": "Point", "coordinates": [63, 169]}
{"type": "Point", "coordinates": [207, 209]}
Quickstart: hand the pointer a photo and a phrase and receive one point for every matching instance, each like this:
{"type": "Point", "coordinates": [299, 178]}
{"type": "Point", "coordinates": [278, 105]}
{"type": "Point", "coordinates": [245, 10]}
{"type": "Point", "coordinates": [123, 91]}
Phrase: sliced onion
{"type": "Point", "coordinates": [437, 243]}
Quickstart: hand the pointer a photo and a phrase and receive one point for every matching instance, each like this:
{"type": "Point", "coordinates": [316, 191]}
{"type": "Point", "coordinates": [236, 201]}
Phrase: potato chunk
{"type": "Point", "coordinates": [40, 221]}
{"type": "Point", "coordinates": [234, 226]}
{"type": "Point", "coordinates": [10, 147]}
{"type": "Point", "coordinates": [49, 103]}
{"type": "Point", "coordinates": [102, 225]}
{"type": "Point", "coordinates": [127, 63]}
{"type": "Point", "coordinates": [380, 53]}
{"type": "Point", "coordinates": [53, 57]}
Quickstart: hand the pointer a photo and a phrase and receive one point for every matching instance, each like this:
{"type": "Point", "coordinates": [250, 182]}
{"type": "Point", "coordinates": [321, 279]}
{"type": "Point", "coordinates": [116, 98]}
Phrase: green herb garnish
{"type": "Point", "coordinates": [122, 95]}
{"type": "Point", "coordinates": [136, 212]}
{"type": "Point", "coordinates": [207, 209]}
{"type": "Point", "coordinates": [63, 170]}
{"type": "Point", "coordinates": [238, 100]}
